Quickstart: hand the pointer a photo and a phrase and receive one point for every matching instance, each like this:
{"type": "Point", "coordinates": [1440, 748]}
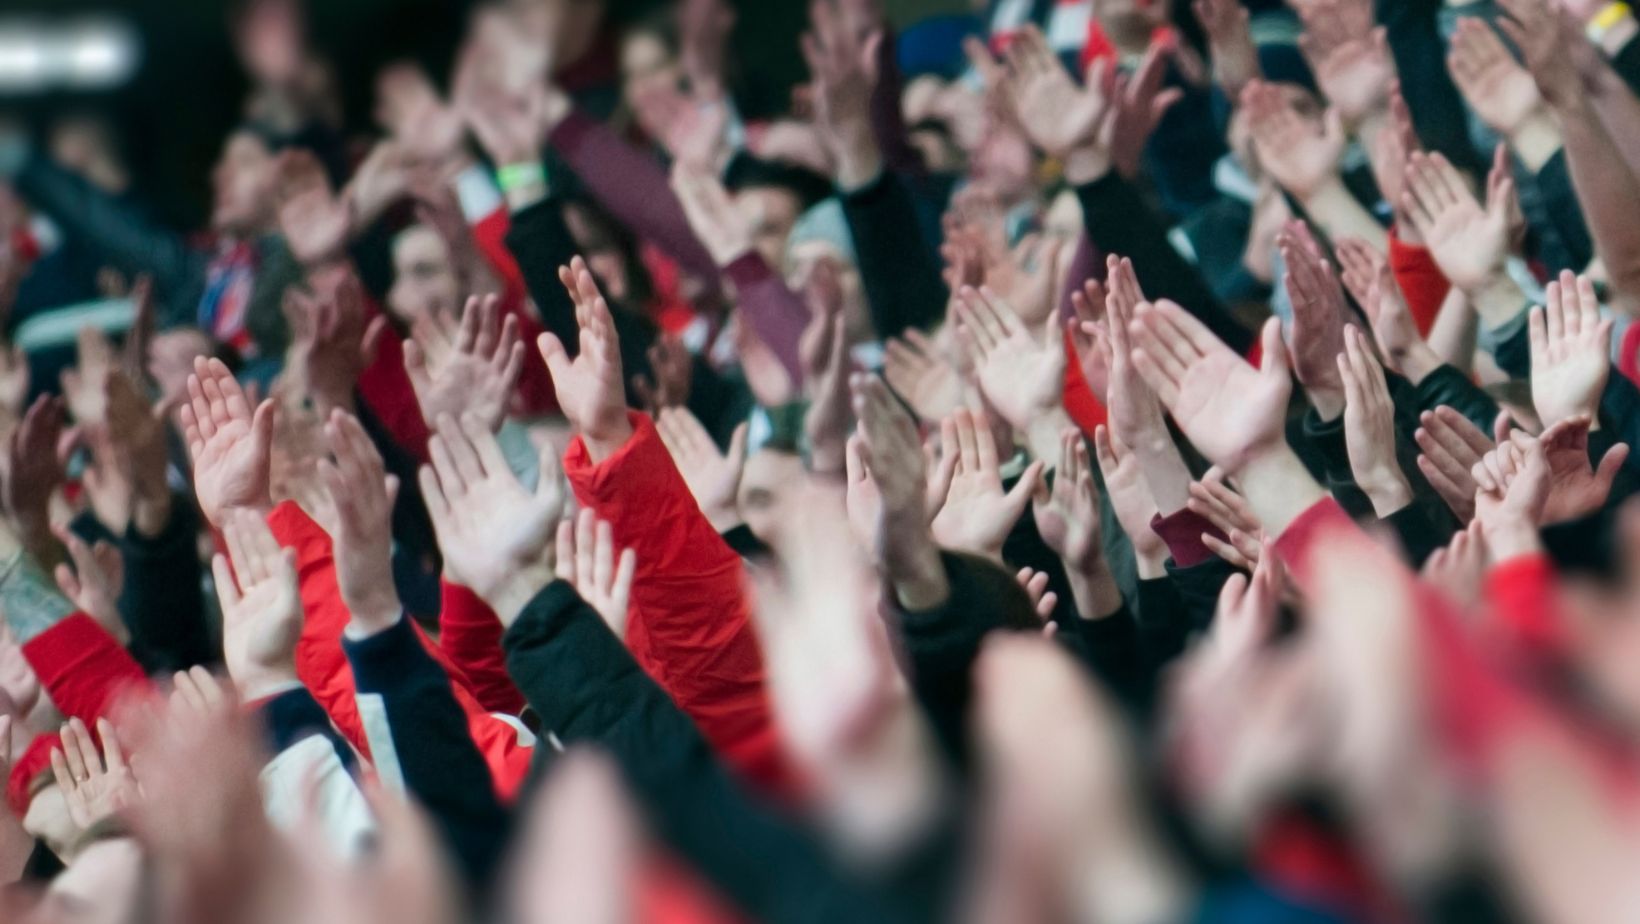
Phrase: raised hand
{"type": "Point", "coordinates": [1469, 243]}
{"type": "Point", "coordinates": [261, 606]}
{"type": "Point", "coordinates": [1318, 318]}
{"type": "Point", "coordinates": [1057, 115]}
{"type": "Point", "coordinates": [1067, 515]}
{"type": "Point", "coordinates": [408, 107]}
{"type": "Point", "coordinates": [826, 364]}
{"type": "Point", "coordinates": [1499, 90]}
{"type": "Point", "coordinates": [1020, 371]}
{"type": "Point", "coordinates": [588, 561]}
{"type": "Point", "coordinates": [1369, 427]}
{"type": "Point", "coordinates": [228, 441]}
{"type": "Point", "coordinates": [1226, 408]}
{"type": "Point", "coordinates": [83, 384]}
{"type": "Point", "coordinates": [1513, 482]}
{"type": "Point", "coordinates": [843, 63]}
{"type": "Point", "coordinates": [94, 582]}
{"type": "Point", "coordinates": [713, 477]}
{"type": "Point", "coordinates": [497, 538]}
{"type": "Point", "coordinates": [1135, 413]}
{"type": "Point", "coordinates": [589, 387]}
{"type": "Point", "coordinates": [1138, 103]}
{"type": "Point", "coordinates": [1350, 57]}
{"type": "Point", "coordinates": [888, 497]}
{"type": "Point", "coordinates": [472, 364]}
{"type": "Point", "coordinates": [1571, 350]}
{"type": "Point", "coordinates": [1577, 488]}
{"type": "Point", "coordinates": [1371, 282]}
{"type": "Point", "coordinates": [1451, 448]}
{"type": "Point", "coordinates": [1130, 499]}
{"type": "Point", "coordinates": [97, 784]}
{"type": "Point", "coordinates": [1229, 43]}
{"type": "Point", "coordinates": [977, 515]}
{"type": "Point", "coordinates": [332, 341]}
{"type": "Point", "coordinates": [1300, 154]}
{"type": "Point", "coordinates": [1243, 545]}
{"type": "Point", "coordinates": [315, 222]}
{"type": "Point", "coordinates": [1540, 33]}
{"type": "Point", "coordinates": [34, 471]}
{"type": "Point", "coordinates": [917, 370]}
{"type": "Point", "coordinates": [14, 380]}
{"type": "Point", "coordinates": [1459, 567]}
{"type": "Point", "coordinates": [721, 227]}
{"type": "Point", "coordinates": [363, 495]}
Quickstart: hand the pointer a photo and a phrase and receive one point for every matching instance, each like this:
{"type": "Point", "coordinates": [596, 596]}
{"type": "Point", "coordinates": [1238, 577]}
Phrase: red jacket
{"type": "Point", "coordinates": [322, 665]}
{"type": "Point", "coordinates": [690, 627]}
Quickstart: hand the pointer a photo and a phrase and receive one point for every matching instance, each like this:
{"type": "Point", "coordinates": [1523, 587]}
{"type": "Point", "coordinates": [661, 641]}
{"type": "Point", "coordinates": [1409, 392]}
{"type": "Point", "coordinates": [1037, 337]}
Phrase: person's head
{"type": "Point", "coordinates": [648, 57]}
{"type": "Point", "coordinates": [425, 279]}
{"type": "Point", "coordinates": [766, 489]}
{"type": "Point", "coordinates": [771, 212]}
{"type": "Point", "coordinates": [243, 184]}
{"type": "Point", "coordinates": [610, 251]}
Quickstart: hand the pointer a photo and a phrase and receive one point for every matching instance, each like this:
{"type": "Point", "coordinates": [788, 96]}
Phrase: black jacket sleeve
{"type": "Point", "coordinates": [1451, 387]}
{"type": "Point", "coordinates": [541, 242]}
{"type": "Point", "coordinates": [441, 765]}
{"type": "Point", "coordinates": [1117, 221]}
{"type": "Point", "coordinates": [163, 601]}
{"type": "Point", "coordinates": [898, 270]}
{"type": "Point", "coordinates": [586, 687]}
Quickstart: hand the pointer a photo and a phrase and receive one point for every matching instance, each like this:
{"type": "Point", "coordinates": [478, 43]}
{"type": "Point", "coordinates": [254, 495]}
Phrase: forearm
{"type": "Point", "coordinates": [1340, 215]}
{"type": "Point", "coordinates": [898, 269]}
{"type": "Point", "coordinates": [1279, 488]}
{"type": "Point", "coordinates": [1607, 191]}
{"type": "Point", "coordinates": [161, 602]}
{"type": "Point", "coordinates": [1451, 341]}
{"type": "Point", "coordinates": [1094, 590]}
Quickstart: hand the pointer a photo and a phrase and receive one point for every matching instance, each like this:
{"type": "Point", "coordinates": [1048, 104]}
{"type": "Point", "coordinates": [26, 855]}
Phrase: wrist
{"type": "Point", "coordinates": [1277, 486]}
{"type": "Point", "coordinates": [1498, 299]}
{"type": "Point", "coordinates": [1326, 198]}
{"type": "Point", "coordinates": [858, 160]}
{"type": "Point", "coordinates": [508, 597]}
{"type": "Point", "coordinates": [1042, 433]}
{"type": "Point", "coordinates": [373, 613]}
{"type": "Point", "coordinates": [604, 438]}
{"type": "Point", "coordinates": [1165, 474]}
{"type": "Point", "coordinates": [1086, 164]}
{"type": "Point", "coordinates": [1387, 489]}
{"type": "Point", "coordinates": [1509, 536]}
{"type": "Point", "coordinates": [1417, 362]}
{"type": "Point", "coordinates": [916, 572]}
{"type": "Point", "coordinates": [1093, 588]}
{"type": "Point", "coordinates": [1535, 139]}
{"type": "Point", "coordinates": [1327, 399]}
{"type": "Point", "coordinates": [151, 513]}
{"type": "Point", "coordinates": [257, 682]}
{"type": "Point", "coordinates": [1150, 557]}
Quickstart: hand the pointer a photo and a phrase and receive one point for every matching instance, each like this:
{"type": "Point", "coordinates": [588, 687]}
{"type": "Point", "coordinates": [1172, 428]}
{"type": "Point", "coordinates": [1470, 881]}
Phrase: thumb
{"type": "Point", "coordinates": [1021, 494]}
{"type": "Point", "coordinates": [1275, 351]}
{"type": "Point", "coordinates": [67, 582]}
{"type": "Point", "coordinates": [554, 354]}
{"type": "Point", "coordinates": [1610, 464]}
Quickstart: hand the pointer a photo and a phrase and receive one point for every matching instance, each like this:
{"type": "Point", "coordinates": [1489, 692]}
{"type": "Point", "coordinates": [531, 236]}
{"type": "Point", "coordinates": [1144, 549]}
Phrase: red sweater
{"type": "Point", "coordinates": [690, 627]}
{"type": "Point", "coordinates": [1420, 280]}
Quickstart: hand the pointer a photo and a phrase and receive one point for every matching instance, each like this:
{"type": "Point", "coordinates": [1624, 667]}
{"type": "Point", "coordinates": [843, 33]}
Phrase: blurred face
{"type": "Point", "coordinates": [424, 276]}
{"type": "Point", "coordinates": [801, 263]}
{"type": "Point", "coordinates": [645, 62]}
{"type": "Point", "coordinates": [771, 213]}
{"type": "Point", "coordinates": [766, 491]}
{"type": "Point", "coordinates": [243, 183]}
{"type": "Point", "coordinates": [597, 245]}
{"type": "Point", "coordinates": [1005, 162]}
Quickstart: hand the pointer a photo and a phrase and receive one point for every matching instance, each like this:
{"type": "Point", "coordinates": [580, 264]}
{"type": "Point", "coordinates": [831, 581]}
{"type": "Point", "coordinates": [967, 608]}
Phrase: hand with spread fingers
{"type": "Point", "coordinates": [590, 387]}
{"type": "Point", "coordinates": [1130, 499]}
{"type": "Point", "coordinates": [261, 606]}
{"type": "Point", "coordinates": [1369, 427]}
{"type": "Point", "coordinates": [1571, 351]}
{"type": "Point", "coordinates": [97, 782]}
{"type": "Point", "coordinates": [229, 442]}
{"type": "Point", "coordinates": [713, 476]}
{"type": "Point", "coordinates": [1451, 446]}
{"type": "Point", "coordinates": [363, 494]}
{"type": "Point", "coordinates": [1318, 319]}
{"type": "Point", "coordinates": [1243, 542]}
{"type": "Point", "coordinates": [977, 514]}
{"type": "Point", "coordinates": [472, 364]}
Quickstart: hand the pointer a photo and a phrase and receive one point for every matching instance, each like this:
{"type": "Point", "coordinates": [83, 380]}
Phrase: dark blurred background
{"type": "Point", "coordinates": [188, 87]}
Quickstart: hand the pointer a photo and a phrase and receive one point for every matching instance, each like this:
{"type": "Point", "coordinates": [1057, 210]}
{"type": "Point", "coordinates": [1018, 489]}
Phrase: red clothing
{"type": "Point", "coordinates": [470, 635]}
{"type": "Point", "coordinates": [690, 627]}
{"type": "Point", "coordinates": [82, 668]}
{"type": "Point", "coordinates": [1521, 592]}
{"type": "Point", "coordinates": [535, 392]}
{"type": "Point", "coordinates": [1421, 281]}
{"type": "Point", "coordinates": [1083, 406]}
{"type": "Point", "coordinates": [323, 668]}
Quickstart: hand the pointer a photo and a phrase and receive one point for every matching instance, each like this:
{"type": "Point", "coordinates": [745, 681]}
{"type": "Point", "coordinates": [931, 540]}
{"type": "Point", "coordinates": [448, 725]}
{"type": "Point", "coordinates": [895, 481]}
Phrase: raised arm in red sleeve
{"type": "Point", "coordinates": [82, 668]}
{"type": "Point", "coordinates": [323, 668]}
{"type": "Point", "coordinates": [690, 627]}
{"type": "Point", "coordinates": [1420, 280]}
{"type": "Point", "coordinates": [470, 636]}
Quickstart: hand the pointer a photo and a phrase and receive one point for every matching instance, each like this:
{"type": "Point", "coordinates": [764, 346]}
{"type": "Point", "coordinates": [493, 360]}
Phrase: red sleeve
{"type": "Point", "coordinates": [322, 666]}
{"type": "Point", "coordinates": [690, 625]}
{"type": "Point", "coordinates": [1420, 280]}
{"type": "Point", "coordinates": [385, 388]}
{"type": "Point", "coordinates": [82, 667]}
{"type": "Point", "coordinates": [1081, 403]}
{"type": "Point", "coordinates": [490, 234]}
{"type": "Point", "coordinates": [1526, 615]}
{"type": "Point", "coordinates": [1182, 532]}
{"type": "Point", "coordinates": [470, 636]}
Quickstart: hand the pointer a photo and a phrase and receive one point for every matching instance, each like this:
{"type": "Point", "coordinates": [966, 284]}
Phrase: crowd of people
{"type": "Point", "coordinates": [1116, 461]}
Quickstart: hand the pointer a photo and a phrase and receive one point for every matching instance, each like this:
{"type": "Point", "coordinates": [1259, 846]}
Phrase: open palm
{"type": "Point", "coordinates": [230, 445]}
